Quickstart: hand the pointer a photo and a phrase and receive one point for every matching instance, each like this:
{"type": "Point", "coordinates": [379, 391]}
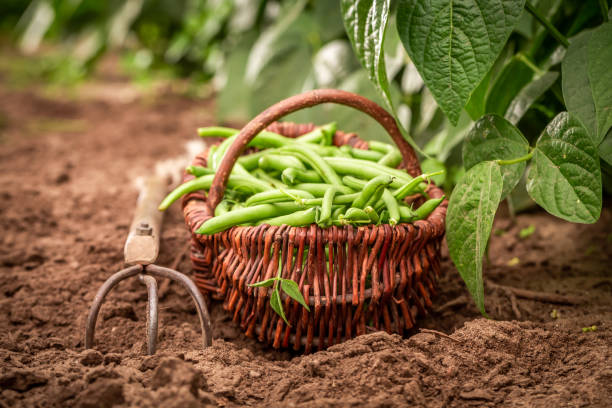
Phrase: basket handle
{"type": "Point", "coordinates": [297, 102]}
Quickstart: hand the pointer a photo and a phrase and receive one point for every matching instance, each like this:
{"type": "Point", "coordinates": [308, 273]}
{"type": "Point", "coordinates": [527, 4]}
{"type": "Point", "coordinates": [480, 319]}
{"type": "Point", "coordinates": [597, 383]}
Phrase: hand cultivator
{"type": "Point", "coordinates": [140, 251]}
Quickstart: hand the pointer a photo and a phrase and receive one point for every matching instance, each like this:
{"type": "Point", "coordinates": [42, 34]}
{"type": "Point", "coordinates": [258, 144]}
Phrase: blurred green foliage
{"type": "Point", "coordinates": [253, 53]}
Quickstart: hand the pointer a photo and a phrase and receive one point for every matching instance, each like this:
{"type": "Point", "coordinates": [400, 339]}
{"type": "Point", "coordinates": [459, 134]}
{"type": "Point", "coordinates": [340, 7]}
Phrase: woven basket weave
{"type": "Point", "coordinates": [371, 278]}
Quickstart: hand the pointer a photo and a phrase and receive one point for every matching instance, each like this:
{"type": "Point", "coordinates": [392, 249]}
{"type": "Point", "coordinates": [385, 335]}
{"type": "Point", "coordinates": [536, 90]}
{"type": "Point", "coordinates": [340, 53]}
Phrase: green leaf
{"type": "Point", "coordinates": [528, 95]}
{"type": "Point", "coordinates": [494, 138]}
{"type": "Point", "coordinates": [277, 306]}
{"type": "Point", "coordinates": [454, 43]}
{"type": "Point", "coordinates": [475, 106]}
{"type": "Point", "coordinates": [293, 291]}
{"type": "Point", "coordinates": [600, 77]}
{"type": "Point", "coordinates": [605, 148]}
{"type": "Point", "coordinates": [575, 82]}
{"type": "Point", "coordinates": [469, 222]}
{"type": "Point", "coordinates": [365, 22]}
{"type": "Point", "coordinates": [264, 284]}
{"type": "Point", "coordinates": [515, 75]}
{"type": "Point", "coordinates": [565, 177]}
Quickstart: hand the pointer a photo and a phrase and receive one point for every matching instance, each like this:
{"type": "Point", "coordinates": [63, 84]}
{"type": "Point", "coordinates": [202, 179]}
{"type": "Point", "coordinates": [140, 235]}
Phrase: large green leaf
{"type": "Point", "coordinates": [515, 75]}
{"type": "Point", "coordinates": [492, 138]}
{"type": "Point", "coordinates": [600, 77]}
{"type": "Point", "coordinates": [454, 43]}
{"type": "Point", "coordinates": [469, 221]}
{"type": "Point", "coordinates": [565, 177]}
{"type": "Point", "coordinates": [528, 95]}
{"type": "Point", "coordinates": [576, 87]}
{"type": "Point", "coordinates": [475, 106]}
{"type": "Point", "coordinates": [605, 148]}
{"type": "Point", "coordinates": [365, 22]}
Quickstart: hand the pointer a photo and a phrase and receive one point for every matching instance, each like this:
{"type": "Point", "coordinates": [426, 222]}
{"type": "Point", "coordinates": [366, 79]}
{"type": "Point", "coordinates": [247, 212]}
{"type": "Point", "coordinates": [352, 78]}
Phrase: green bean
{"type": "Point", "coordinates": [407, 214]}
{"type": "Point", "coordinates": [296, 219]}
{"type": "Point", "coordinates": [315, 161]}
{"type": "Point", "coordinates": [376, 197]}
{"type": "Point", "coordinates": [319, 189]}
{"type": "Point", "coordinates": [354, 182]}
{"type": "Point", "coordinates": [246, 215]}
{"type": "Point", "coordinates": [338, 211]}
{"type": "Point", "coordinates": [267, 139]}
{"type": "Point", "coordinates": [366, 170]}
{"type": "Point", "coordinates": [392, 156]}
{"type": "Point", "coordinates": [293, 176]}
{"type": "Point", "coordinates": [277, 162]}
{"type": "Point", "coordinates": [263, 139]}
{"type": "Point", "coordinates": [414, 186]}
{"type": "Point", "coordinates": [273, 196]}
{"type": "Point", "coordinates": [262, 175]}
{"type": "Point", "coordinates": [354, 216]}
{"type": "Point", "coordinates": [199, 171]}
{"type": "Point", "coordinates": [374, 218]}
{"type": "Point", "coordinates": [391, 159]}
{"type": "Point", "coordinates": [392, 206]}
{"type": "Point", "coordinates": [371, 190]}
{"type": "Point", "coordinates": [220, 152]}
{"type": "Point", "coordinates": [216, 131]}
{"type": "Point", "coordinates": [203, 183]}
{"type": "Point", "coordinates": [323, 134]}
{"type": "Point", "coordinates": [338, 200]}
{"type": "Point", "coordinates": [427, 208]}
{"type": "Point", "coordinates": [222, 208]}
{"type": "Point", "coordinates": [325, 219]}
{"type": "Point", "coordinates": [251, 161]}
{"type": "Point", "coordinates": [211, 151]}
{"type": "Point", "coordinates": [362, 154]}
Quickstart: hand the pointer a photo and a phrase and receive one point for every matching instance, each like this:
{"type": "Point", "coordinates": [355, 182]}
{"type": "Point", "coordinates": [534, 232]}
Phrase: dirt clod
{"type": "Point", "coordinates": [91, 358]}
{"type": "Point", "coordinates": [173, 372]}
{"type": "Point", "coordinates": [19, 379]}
{"type": "Point", "coordinates": [101, 394]}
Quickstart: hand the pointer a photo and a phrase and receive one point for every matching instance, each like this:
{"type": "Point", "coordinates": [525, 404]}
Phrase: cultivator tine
{"type": "Point", "coordinates": [110, 283]}
{"type": "Point", "coordinates": [152, 312]}
{"type": "Point", "coordinates": [146, 275]}
{"type": "Point", "coordinates": [193, 290]}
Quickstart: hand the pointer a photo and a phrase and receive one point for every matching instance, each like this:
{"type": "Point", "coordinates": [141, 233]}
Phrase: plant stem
{"type": "Point", "coordinates": [517, 160]}
{"type": "Point", "coordinates": [544, 21]}
{"type": "Point", "coordinates": [536, 70]}
{"type": "Point", "coordinates": [603, 4]}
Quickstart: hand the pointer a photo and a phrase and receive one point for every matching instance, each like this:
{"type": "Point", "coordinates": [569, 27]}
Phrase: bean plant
{"type": "Point", "coordinates": [505, 71]}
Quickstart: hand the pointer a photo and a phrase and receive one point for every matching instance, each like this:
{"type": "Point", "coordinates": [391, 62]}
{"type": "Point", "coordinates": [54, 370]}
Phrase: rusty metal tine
{"type": "Point", "coordinates": [99, 299]}
{"type": "Point", "coordinates": [152, 311]}
{"type": "Point", "coordinates": [197, 297]}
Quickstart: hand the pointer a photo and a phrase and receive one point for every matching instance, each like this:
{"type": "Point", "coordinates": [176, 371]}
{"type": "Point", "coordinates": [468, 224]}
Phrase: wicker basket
{"type": "Point", "coordinates": [373, 278]}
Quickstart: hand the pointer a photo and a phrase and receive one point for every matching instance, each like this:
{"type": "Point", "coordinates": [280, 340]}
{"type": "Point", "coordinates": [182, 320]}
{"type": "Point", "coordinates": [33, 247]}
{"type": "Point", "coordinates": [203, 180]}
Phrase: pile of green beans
{"type": "Point", "coordinates": [307, 180]}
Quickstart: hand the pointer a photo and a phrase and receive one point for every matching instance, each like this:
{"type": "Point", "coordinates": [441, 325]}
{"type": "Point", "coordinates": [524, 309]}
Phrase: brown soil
{"type": "Point", "coordinates": [67, 171]}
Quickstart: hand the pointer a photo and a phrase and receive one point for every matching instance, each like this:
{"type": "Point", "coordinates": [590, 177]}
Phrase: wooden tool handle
{"type": "Point", "coordinates": [142, 244]}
